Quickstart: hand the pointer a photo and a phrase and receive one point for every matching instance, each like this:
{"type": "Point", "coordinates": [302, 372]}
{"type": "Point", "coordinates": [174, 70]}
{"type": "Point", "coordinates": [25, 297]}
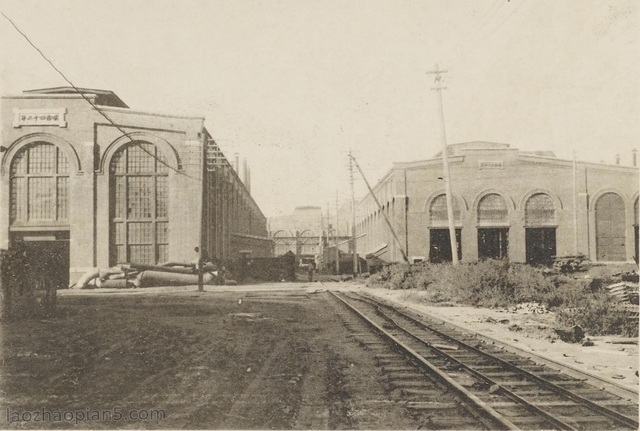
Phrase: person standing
{"type": "Point", "coordinates": [310, 269]}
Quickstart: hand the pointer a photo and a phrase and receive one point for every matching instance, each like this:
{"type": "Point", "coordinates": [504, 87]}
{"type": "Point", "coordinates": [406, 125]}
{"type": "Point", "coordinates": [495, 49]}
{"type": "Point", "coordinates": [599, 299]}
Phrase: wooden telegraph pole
{"type": "Point", "coordinates": [336, 238]}
{"type": "Point", "coordinates": [203, 210]}
{"type": "Point", "coordinates": [353, 217]}
{"type": "Point", "coordinates": [445, 162]}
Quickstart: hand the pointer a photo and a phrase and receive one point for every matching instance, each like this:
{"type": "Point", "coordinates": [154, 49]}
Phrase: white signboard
{"type": "Point", "coordinates": [40, 117]}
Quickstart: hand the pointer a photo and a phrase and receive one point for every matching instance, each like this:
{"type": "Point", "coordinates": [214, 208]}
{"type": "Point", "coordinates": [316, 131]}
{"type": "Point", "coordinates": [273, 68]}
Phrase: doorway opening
{"type": "Point", "coordinates": [440, 245]}
{"type": "Point", "coordinates": [493, 243]}
{"type": "Point", "coordinates": [46, 257]}
{"type": "Point", "coordinates": [540, 245]}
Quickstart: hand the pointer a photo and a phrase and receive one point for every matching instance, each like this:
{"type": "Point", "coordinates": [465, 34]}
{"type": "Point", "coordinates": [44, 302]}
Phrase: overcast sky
{"type": "Point", "coordinates": [292, 85]}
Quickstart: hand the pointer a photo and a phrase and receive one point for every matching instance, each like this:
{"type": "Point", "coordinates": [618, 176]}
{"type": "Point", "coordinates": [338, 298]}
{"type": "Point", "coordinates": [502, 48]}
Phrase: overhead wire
{"type": "Point", "coordinates": [486, 17]}
{"type": "Point", "coordinates": [505, 20]}
{"type": "Point", "coordinates": [132, 141]}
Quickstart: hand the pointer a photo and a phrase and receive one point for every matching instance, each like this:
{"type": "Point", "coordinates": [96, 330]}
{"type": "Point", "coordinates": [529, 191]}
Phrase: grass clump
{"type": "Point", "coordinates": [496, 283]}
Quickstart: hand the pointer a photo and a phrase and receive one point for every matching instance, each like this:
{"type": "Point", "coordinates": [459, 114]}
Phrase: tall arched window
{"type": "Point", "coordinates": [540, 230]}
{"type": "Point", "coordinates": [439, 235]}
{"type": "Point", "coordinates": [39, 186]}
{"type": "Point", "coordinates": [610, 228]}
{"type": "Point", "coordinates": [493, 230]}
{"type": "Point", "coordinates": [138, 204]}
{"type": "Point", "coordinates": [635, 229]}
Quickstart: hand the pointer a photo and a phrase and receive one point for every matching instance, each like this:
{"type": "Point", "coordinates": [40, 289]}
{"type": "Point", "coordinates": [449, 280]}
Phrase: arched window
{"type": "Point", "coordinates": [39, 185]}
{"type": "Point", "coordinates": [492, 210]}
{"type": "Point", "coordinates": [610, 228]}
{"type": "Point", "coordinates": [139, 202]}
{"type": "Point", "coordinates": [540, 210]}
{"type": "Point", "coordinates": [438, 211]}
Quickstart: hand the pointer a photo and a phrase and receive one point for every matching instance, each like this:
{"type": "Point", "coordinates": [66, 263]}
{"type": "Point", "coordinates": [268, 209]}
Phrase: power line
{"type": "Point", "coordinates": [488, 18]}
{"type": "Point", "coordinates": [505, 20]}
{"type": "Point", "coordinates": [489, 10]}
{"type": "Point", "coordinates": [94, 105]}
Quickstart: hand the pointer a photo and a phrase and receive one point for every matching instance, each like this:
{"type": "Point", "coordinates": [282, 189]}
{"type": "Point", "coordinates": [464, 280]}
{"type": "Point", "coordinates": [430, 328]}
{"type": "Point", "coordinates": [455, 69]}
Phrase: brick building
{"type": "Point", "coordinates": [524, 206]}
{"type": "Point", "coordinates": [308, 234]}
{"type": "Point", "coordinates": [79, 189]}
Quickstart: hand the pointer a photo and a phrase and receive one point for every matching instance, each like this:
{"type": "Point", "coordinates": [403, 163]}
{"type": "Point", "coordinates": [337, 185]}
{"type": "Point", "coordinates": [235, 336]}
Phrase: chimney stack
{"type": "Point", "coordinates": [236, 164]}
{"type": "Point", "coordinates": [249, 180]}
{"type": "Point", "coordinates": [634, 157]}
{"type": "Point", "coordinates": [617, 159]}
{"type": "Point", "coordinates": [245, 180]}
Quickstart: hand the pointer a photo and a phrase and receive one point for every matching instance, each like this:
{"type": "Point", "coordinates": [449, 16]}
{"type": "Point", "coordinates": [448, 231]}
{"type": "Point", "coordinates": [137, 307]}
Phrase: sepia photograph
{"type": "Point", "coordinates": [319, 214]}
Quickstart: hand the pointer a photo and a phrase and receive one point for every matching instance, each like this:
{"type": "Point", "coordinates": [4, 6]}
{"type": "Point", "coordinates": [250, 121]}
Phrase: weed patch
{"type": "Point", "coordinates": [494, 283]}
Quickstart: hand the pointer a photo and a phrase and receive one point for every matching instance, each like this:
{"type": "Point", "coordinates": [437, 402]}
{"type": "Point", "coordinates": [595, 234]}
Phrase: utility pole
{"type": "Point", "coordinates": [386, 219]}
{"type": "Point", "coordinates": [445, 163]}
{"type": "Point", "coordinates": [203, 212]}
{"type": "Point", "coordinates": [336, 238]}
{"type": "Point", "coordinates": [575, 204]}
{"type": "Point", "coordinates": [353, 217]}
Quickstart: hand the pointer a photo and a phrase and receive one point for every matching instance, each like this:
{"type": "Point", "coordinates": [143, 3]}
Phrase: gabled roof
{"type": "Point", "coordinates": [104, 97]}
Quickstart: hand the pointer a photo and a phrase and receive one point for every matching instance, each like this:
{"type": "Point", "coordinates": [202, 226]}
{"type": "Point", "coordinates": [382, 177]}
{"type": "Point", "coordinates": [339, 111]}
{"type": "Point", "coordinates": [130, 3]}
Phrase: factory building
{"type": "Point", "coordinates": [507, 204]}
{"type": "Point", "coordinates": [87, 182]}
{"type": "Point", "coordinates": [308, 233]}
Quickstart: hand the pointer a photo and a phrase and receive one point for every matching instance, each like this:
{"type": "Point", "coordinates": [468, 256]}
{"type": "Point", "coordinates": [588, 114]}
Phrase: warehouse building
{"type": "Point", "coordinates": [86, 182]}
{"type": "Point", "coordinates": [522, 206]}
{"type": "Point", "coordinates": [308, 233]}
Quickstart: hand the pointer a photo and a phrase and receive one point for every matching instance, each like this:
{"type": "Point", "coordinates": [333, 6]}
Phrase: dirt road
{"type": "Point", "coordinates": [268, 359]}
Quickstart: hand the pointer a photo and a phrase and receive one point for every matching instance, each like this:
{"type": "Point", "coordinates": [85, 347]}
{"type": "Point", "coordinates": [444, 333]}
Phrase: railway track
{"type": "Point", "coordinates": [455, 380]}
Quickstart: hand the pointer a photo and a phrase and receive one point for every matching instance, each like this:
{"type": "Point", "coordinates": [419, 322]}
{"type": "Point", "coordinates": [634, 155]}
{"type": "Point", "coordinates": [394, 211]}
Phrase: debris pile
{"type": "Point", "coordinates": [140, 275]}
{"type": "Point", "coordinates": [528, 308]}
{"type": "Point", "coordinates": [625, 292]}
{"type": "Point", "coordinates": [566, 264]}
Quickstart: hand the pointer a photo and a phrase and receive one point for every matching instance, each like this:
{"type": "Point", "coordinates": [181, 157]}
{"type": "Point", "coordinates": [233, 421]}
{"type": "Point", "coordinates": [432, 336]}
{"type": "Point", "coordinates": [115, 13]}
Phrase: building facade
{"type": "Point", "coordinates": [522, 206]}
{"type": "Point", "coordinates": [306, 233]}
{"type": "Point", "coordinates": [87, 182]}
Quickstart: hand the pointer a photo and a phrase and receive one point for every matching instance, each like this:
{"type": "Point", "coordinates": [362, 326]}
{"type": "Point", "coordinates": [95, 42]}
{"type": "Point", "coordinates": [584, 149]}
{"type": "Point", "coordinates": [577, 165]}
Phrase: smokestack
{"type": "Point", "coordinates": [617, 159]}
{"type": "Point", "coordinates": [249, 179]}
{"type": "Point", "coordinates": [634, 157]}
{"type": "Point", "coordinates": [236, 164]}
{"type": "Point", "coordinates": [245, 179]}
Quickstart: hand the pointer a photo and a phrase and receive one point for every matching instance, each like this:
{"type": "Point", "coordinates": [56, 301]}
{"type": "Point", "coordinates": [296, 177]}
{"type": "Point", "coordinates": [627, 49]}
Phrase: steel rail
{"type": "Point", "coordinates": [557, 422]}
{"type": "Point", "coordinates": [620, 418]}
{"type": "Point", "coordinates": [595, 380]}
{"type": "Point", "coordinates": [483, 406]}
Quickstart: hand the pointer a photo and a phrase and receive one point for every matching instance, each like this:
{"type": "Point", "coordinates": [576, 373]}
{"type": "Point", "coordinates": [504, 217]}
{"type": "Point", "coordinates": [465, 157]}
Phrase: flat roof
{"type": "Point", "coordinates": [104, 97]}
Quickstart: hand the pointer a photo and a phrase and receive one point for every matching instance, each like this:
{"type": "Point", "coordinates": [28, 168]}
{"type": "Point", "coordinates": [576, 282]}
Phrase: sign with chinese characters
{"type": "Point", "coordinates": [491, 164]}
{"type": "Point", "coordinates": [40, 117]}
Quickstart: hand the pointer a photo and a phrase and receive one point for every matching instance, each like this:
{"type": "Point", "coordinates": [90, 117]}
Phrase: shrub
{"type": "Point", "coordinates": [494, 283]}
{"type": "Point", "coordinates": [600, 315]}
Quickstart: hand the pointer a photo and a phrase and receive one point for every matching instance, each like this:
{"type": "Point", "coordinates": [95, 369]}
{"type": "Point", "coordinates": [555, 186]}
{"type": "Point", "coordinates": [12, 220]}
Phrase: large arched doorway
{"type": "Point", "coordinates": [493, 227]}
{"type": "Point", "coordinates": [439, 237]}
{"type": "Point", "coordinates": [610, 228]}
{"type": "Point", "coordinates": [540, 229]}
{"type": "Point", "coordinates": [38, 212]}
{"type": "Point", "coordinates": [635, 229]}
{"type": "Point", "coordinates": [139, 205]}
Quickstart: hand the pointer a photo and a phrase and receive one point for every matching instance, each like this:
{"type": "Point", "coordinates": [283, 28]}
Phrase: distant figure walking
{"type": "Point", "coordinates": [310, 269]}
